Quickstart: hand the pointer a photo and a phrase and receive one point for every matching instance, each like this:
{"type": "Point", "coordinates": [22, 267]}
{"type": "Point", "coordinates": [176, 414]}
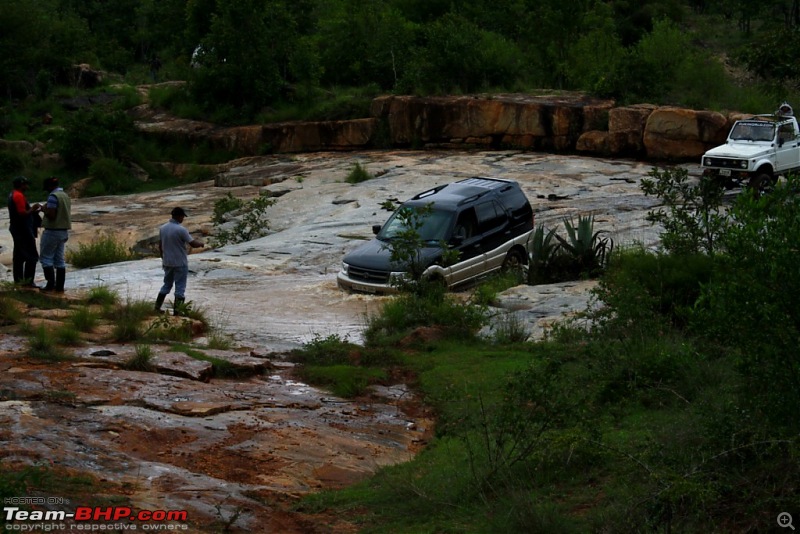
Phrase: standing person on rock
{"type": "Point", "coordinates": [174, 259]}
{"type": "Point", "coordinates": [57, 223]}
{"type": "Point", "coordinates": [24, 221]}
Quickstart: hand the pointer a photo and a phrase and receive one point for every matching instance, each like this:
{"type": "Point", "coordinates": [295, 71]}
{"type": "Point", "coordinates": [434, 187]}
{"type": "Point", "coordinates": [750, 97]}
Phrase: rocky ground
{"type": "Point", "coordinates": [236, 453]}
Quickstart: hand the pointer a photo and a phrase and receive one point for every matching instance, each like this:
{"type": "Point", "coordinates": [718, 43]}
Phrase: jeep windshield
{"type": "Point", "coordinates": [753, 131]}
{"type": "Point", "coordinates": [432, 224]}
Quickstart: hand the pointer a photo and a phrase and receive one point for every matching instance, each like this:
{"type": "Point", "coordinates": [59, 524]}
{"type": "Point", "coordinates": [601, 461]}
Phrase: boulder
{"type": "Point", "coordinates": [515, 120]}
{"type": "Point", "coordinates": [560, 123]}
{"type": "Point", "coordinates": [594, 142]}
{"type": "Point", "coordinates": [673, 133]}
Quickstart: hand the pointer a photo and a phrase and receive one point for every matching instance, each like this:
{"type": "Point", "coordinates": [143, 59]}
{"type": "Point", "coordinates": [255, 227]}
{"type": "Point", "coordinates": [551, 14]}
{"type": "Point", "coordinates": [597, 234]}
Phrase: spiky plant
{"type": "Point", "coordinates": [585, 246]}
{"type": "Point", "coordinates": [543, 248]}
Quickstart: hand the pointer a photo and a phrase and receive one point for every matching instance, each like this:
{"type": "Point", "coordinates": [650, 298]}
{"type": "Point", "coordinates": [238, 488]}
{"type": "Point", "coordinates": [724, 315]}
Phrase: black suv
{"type": "Point", "coordinates": [488, 221]}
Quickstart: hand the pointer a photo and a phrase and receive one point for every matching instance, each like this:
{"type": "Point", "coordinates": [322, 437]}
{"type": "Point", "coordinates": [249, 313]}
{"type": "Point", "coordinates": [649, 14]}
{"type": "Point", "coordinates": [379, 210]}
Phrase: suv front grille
{"type": "Point", "coordinates": [725, 163]}
{"type": "Point", "coordinates": [372, 276]}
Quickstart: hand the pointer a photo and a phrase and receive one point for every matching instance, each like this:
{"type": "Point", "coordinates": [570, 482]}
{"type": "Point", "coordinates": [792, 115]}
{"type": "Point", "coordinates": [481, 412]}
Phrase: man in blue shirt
{"type": "Point", "coordinates": [174, 259]}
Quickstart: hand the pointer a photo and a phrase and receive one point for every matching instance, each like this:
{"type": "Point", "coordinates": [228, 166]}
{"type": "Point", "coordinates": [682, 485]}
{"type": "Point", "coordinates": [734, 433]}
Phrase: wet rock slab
{"type": "Point", "coordinates": [197, 443]}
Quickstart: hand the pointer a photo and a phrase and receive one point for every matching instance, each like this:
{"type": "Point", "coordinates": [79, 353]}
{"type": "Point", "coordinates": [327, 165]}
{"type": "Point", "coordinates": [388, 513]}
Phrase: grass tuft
{"type": "Point", "coordinates": [102, 251]}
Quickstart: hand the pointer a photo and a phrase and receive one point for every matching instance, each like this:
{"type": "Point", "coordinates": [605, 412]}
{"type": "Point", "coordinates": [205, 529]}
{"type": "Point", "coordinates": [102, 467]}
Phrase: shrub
{"type": "Point", "coordinates": [102, 295]}
{"type": "Point", "coordinates": [140, 361]}
{"type": "Point", "coordinates": [486, 293]}
{"type": "Point", "coordinates": [329, 350]}
{"type": "Point", "coordinates": [641, 285]}
{"type": "Point", "coordinates": [110, 177]}
{"type": "Point", "coordinates": [10, 313]}
{"type": "Point", "coordinates": [10, 163]}
{"type": "Point", "coordinates": [83, 319]}
{"type": "Point", "coordinates": [430, 306]}
{"type": "Point", "coordinates": [587, 251]}
{"type": "Point", "coordinates": [691, 212]}
{"type": "Point", "coordinates": [236, 221]}
{"type": "Point", "coordinates": [358, 174]}
{"type": "Point", "coordinates": [96, 133]}
{"type": "Point", "coordinates": [128, 320]}
{"type": "Point", "coordinates": [543, 248]}
{"type": "Point", "coordinates": [102, 251]}
{"type": "Point", "coordinates": [750, 303]}
{"type": "Point", "coordinates": [42, 345]}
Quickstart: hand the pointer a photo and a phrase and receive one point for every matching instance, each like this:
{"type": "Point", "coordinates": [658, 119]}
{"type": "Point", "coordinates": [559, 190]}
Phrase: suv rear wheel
{"type": "Point", "coordinates": [514, 261]}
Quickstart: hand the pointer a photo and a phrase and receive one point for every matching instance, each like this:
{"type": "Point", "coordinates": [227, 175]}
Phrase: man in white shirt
{"type": "Point", "coordinates": [175, 259]}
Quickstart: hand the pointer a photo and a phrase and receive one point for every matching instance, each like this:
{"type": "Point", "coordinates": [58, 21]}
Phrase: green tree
{"type": "Point", "coordinates": [360, 44]}
{"type": "Point", "coordinates": [244, 58]}
{"type": "Point", "coordinates": [37, 44]}
{"type": "Point", "coordinates": [597, 52]}
{"type": "Point", "coordinates": [456, 55]}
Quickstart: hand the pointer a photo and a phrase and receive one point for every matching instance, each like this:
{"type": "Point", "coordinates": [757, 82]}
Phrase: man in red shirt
{"type": "Point", "coordinates": [24, 222]}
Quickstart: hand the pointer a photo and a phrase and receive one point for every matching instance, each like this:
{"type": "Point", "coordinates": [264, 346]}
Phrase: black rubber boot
{"type": "Point", "coordinates": [50, 276]}
{"type": "Point", "coordinates": [61, 276]}
{"type": "Point", "coordinates": [159, 302]}
{"type": "Point", "coordinates": [18, 267]}
{"type": "Point", "coordinates": [29, 274]}
{"type": "Point", "coordinates": [177, 308]}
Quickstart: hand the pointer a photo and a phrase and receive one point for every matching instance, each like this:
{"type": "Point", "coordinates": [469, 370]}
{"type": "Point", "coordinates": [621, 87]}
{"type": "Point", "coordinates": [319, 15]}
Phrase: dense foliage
{"type": "Point", "coordinates": [671, 409]}
{"type": "Point", "coordinates": [242, 57]}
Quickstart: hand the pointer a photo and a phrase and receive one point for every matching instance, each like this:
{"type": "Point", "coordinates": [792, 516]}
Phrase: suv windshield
{"type": "Point", "coordinates": [753, 131]}
{"type": "Point", "coordinates": [434, 224]}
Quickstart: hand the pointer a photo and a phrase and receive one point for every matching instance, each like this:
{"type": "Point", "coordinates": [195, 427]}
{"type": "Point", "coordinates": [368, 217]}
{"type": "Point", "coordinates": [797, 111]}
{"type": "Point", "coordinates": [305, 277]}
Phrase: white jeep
{"type": "Point", "coordinates": [757, 151]}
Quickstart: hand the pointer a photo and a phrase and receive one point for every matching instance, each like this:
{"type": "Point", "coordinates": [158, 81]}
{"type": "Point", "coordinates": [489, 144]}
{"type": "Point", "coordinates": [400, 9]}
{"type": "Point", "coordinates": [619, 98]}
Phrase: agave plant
{"type": "Point", "coordinates": [585, 246]}
{"type": "Point", "coordinates": [543, 248]}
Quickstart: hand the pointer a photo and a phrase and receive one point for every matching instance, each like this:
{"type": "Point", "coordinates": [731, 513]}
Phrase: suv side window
{"type": "Point", "coordinates": [490, 216]}
{"type": "Point", "coordinates": [466, 225]}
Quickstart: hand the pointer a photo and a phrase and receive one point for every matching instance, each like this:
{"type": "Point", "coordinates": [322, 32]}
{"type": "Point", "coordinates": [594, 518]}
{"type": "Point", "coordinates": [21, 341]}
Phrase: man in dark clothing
{"type": "Point", "coordinates": [174, 259]}
{"type": "Point", "coordinates": [24, 222]}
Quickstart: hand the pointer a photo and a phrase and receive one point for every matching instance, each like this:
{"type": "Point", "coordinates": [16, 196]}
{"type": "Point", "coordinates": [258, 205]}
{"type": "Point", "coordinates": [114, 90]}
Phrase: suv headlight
{"type": "Point", "coordinates": [345, 268]}
{"type": "Point", "coordinates": [743, 164]}
{"type": "Point", "coordinates": [707, 162]}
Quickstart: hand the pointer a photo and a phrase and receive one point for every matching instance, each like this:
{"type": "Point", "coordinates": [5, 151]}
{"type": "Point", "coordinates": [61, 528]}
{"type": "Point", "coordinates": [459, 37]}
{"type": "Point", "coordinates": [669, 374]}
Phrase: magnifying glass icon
{"type": "Point", "coordinates": [785, 520]}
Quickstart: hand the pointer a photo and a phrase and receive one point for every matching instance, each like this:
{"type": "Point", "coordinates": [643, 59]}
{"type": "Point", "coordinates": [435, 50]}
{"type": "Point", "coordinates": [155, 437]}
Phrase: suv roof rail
{"type": "Point", "coordinates": [429, 192]}
{"type": "Point", "coordinates": [480, 181]}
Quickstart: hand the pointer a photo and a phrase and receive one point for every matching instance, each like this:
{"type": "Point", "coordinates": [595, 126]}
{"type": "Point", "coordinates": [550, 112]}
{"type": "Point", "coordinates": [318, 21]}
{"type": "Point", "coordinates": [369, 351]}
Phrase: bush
{"type": "Point", "coordinates": [330, 350]}
{"type": "Point", "coordinates": [641, 285]}
{"type": "Point", "coordinates": [236, 221]}
{"type": "Point", "coordinates": [102, 251]}
{"type": "Point", "coordinates": [430, 306]}
{"type": "Point", "coordinates": [92, 134]}
{"type": "Point", "coordinates": [750, 304]}
{"type": "Point", "coordinates": [358, 174]}
{"type": "Point", "coordinates": [109, 177]}
{"type": "Point", "coordinates": [690, 212]}
{"type": "Point", "coordinates": [140, 361]}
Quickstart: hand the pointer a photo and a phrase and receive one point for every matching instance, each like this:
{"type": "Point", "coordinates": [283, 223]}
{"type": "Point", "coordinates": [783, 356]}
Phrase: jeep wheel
{"type": "Point", "coordinates": [762, 183]}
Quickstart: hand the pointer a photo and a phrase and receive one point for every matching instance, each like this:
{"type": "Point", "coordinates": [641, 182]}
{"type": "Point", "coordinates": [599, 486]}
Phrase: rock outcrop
{"type": "Point", "coordinates": [551, 123]}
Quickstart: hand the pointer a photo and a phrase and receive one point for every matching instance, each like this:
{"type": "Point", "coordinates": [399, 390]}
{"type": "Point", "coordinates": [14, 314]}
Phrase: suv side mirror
{"type": "Point", "coordinates": [376, 228]}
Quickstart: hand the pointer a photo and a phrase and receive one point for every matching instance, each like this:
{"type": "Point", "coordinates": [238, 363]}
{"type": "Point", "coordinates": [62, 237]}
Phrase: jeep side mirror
{"type": "Point", "coordinates": [376, 228]}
